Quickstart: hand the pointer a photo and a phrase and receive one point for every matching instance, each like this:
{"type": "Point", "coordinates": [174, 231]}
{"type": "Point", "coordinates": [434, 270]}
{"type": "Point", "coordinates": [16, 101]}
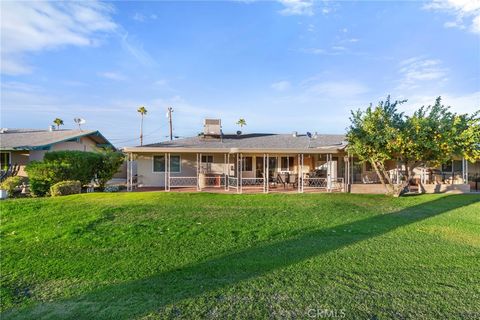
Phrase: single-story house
{"type": "Point", "coordinates": [20, 146]}
{"type": "Point", "coordinates": [265, 162]}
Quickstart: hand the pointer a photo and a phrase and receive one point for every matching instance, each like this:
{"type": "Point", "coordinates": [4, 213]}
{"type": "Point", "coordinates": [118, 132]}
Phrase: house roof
{"type": "Point", "coordinates": [34, 139]}
{"type": "Point", "coordinates": [261, 142]}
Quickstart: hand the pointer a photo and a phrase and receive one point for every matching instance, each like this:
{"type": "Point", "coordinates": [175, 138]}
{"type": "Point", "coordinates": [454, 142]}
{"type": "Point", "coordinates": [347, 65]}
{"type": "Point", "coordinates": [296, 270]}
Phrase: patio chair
{"type": "Point", "coordinates": [293, 179]}
{"type": "Point", "coordinates": [281, 180]}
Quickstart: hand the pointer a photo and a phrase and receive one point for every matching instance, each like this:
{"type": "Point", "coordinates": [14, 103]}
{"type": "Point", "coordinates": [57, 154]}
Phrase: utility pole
{"type": "Point", "coordinates": [169, 114]}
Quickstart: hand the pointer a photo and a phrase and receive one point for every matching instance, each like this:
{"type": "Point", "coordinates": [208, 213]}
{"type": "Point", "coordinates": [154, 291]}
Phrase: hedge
{"type": "Point", "coordinates": [64, 188]}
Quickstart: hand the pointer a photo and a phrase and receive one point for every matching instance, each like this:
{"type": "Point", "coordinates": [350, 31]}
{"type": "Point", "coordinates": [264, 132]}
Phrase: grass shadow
{"type": "Point", "coordinates": [140, 297]}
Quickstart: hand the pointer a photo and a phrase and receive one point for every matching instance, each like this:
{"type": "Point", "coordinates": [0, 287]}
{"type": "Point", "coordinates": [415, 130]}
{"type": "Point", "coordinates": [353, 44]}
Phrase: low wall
{"type": "Point", "coordinates": [445, 188]}
{"type": "Point", "coordinates": [376, 188]}
{"type": "Point", "coordinates": [373, 188]}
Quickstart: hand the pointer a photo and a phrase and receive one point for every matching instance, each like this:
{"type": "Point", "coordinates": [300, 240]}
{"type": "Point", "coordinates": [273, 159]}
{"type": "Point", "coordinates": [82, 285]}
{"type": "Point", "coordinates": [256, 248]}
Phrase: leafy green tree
{"type": "Point", "coordinates": [58, 122]}
{"type": "Point", "coordinates": [431, 136]}
{"type": "Point", "coordinates": [111, 162]}
{"type": "Point", "coordinates": [143, 111]}
{"type": "Point", "coordinates": [370, 134]}
{"type": "Point", "coordinates": [434, 135]}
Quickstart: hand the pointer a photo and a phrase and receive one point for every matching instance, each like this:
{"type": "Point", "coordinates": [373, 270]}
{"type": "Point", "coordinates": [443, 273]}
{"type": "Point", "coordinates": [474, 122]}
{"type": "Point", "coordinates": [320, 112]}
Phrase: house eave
{"type": "Point", "coordinates": [319, 150]}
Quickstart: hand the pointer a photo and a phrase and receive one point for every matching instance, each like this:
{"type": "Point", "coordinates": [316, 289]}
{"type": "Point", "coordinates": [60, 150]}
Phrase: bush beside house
{"type": "Point", "coordinates": [11, 184]}
{"type": "Point", "coordinates": [65, 188]}
{"type": "Point", "coordinates": [79, 166]}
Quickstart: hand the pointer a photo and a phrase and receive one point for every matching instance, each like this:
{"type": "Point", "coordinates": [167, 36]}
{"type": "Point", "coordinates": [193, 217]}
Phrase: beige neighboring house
{"type": "Point", "coordinates": [269, 162]}
{"type": "Point", "coordinates": [20, 146]}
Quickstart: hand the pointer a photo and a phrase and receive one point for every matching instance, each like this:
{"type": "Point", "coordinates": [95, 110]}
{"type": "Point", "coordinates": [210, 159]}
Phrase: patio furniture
{"type": "Point", "coordinates": [282, 178]}
{"type": "Point", "coordinates": [292, 179]}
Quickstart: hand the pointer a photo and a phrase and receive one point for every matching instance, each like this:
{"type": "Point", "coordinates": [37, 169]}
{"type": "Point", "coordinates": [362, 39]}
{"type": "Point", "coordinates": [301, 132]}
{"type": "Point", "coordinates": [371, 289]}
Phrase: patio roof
{"type": "Point", "coordinates": [256, 142]}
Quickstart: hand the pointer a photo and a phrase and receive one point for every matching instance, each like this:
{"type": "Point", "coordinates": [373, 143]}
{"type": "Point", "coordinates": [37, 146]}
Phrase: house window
{"type": "Point", "coordinates": [159, 163]}
{"type": "Point", "coordinates": [4, 160]}
{"type": "Point", "coordinates": [287, 163]}
{"type": "Point", "coordinates": [207, 159]}
{"type": "Point", "coordinates": [247, 164]}
{"type": "Point", "coordinates": [206, 164]}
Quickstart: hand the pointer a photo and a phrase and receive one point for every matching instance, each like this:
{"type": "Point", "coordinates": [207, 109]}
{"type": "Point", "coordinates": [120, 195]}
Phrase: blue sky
{"type": "Point", "coordinates": [282, 65]}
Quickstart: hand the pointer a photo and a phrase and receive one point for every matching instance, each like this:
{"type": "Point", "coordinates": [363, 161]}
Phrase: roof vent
{"type": "Point", "coordinates": [294, 134]}
{"type": "Point", "coordinates": [212, 127]}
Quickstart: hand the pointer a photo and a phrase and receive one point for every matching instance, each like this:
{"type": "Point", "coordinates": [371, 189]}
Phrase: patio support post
{"type": "Point", "coordinates": [128, 172]}
{"type": "Point", "coordinates": [198, 171]}
{"type": "Point", "coordinates": [464, 170]}
{"type": "Point", "coordinates": [300, 173]}
{"type": "Point", "coordinates": [237, 168]}
{"type": "Point", "coordinates": [329, 172]}
{"type": "Point", "coordinates": [267, 176]}
{"type": "Point", "coordinates": [346, 179]}
{"type": "Point", "coordinates": [225, 170]}
{"type": "Point", "coordinates": [167, 171]}
{"type": "Point", "coordinates": [264, 175]}
{"type": "Point", "coordinates": [241, 173]}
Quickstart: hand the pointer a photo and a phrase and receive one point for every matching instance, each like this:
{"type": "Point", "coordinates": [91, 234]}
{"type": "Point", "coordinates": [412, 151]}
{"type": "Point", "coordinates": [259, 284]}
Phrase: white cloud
{"type": "Point", "coordinates": [36, 26]}
{"type": "Point", "coordinates": [161, 82]}
{"type": "Point", "coordinates": [466, 103]}
{"type": "Point", "coordinates": [338, 88]}
{"type": "Point", "coordinates": [417, 70]}
{"type": "Point", "coordinates": [281, 85]}
{"type": "Point", "coordinates": [297, 7]}
{"type": "Point", "coordinates": [135, 48]}
{"type": "Point", "coordinates": [142, 18]}
{"type": "Point", "coordinates": [465, 12]}
{"type": "Point", "coordinates": [138, 17]}
{"type": "Point", "coordinates": [112, 76]}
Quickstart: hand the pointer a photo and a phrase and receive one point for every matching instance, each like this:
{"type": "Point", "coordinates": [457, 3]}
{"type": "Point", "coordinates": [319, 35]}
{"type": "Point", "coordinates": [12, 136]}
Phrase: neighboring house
{"type": "Point", "coordinates": [20, 146]}
{"type": "Point", "coordinates": [269, 162]}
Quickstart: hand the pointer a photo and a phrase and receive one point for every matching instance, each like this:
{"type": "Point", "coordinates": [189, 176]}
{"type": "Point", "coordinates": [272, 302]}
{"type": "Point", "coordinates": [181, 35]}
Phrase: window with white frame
{"type": "Point", "coordinates": [207, 161]}
{"type": "Point", "coordinates": [287, 164]}
{"type": "Point", "coordinates": [159, 163]}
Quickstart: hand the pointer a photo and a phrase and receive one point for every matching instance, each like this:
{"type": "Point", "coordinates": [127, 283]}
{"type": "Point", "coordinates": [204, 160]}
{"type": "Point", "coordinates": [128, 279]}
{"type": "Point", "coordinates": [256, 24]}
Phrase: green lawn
{"type": "Point", "coordinates": [179, 255]}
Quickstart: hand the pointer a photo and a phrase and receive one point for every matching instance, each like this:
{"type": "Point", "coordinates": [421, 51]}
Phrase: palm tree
{"type": "Point", "coordinates": [241, 122]}
{"type": "Point", "coordinates": [143, 111]}
{"type": "Point", "coordinates": [58, 122]}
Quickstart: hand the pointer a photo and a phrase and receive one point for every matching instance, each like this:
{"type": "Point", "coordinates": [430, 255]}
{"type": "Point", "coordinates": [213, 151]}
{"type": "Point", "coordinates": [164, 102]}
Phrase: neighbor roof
{"type": "Point", "coordinates": [248, 142]}
{"type": "Point", "coordinates": [32, 139]}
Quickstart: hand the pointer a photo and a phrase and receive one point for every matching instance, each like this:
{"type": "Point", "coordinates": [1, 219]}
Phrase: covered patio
{"type": "Point", "coordinates": [242, 172]}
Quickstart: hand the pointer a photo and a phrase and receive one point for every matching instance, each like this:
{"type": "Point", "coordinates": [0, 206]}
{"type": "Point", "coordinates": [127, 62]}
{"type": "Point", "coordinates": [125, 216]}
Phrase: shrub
{"type": "Point", "coordinates": [82, 166]}
{"type": "Point", "coordinates": [42, 175]}
{"type": "Point", "coordinates": [112, 189]}
{"type": "Point", "coordinates": [111, 162]}
{"type": "Point", "coordinates": [72, 165]}
{"type": "Point", "coordinates": [11, 183]}
{"type": "Point", "coordinates": [64, 188]}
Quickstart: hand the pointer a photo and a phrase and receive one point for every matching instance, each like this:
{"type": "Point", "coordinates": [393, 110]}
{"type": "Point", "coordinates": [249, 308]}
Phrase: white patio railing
{"type": "Point", "coordinates": [314, 183]}
{"type": "Point", "coordinates": [177, 182]}
{"type": "Point", "coordinates": [253, 182]}
{"type": "Point", "coordinates": [232, 182]}
{"type": "Point", "coordinates": [336, 184]}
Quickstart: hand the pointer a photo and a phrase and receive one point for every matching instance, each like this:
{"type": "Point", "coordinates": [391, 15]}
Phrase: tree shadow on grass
{"type": "Point", "coordinates": [144, 296]}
